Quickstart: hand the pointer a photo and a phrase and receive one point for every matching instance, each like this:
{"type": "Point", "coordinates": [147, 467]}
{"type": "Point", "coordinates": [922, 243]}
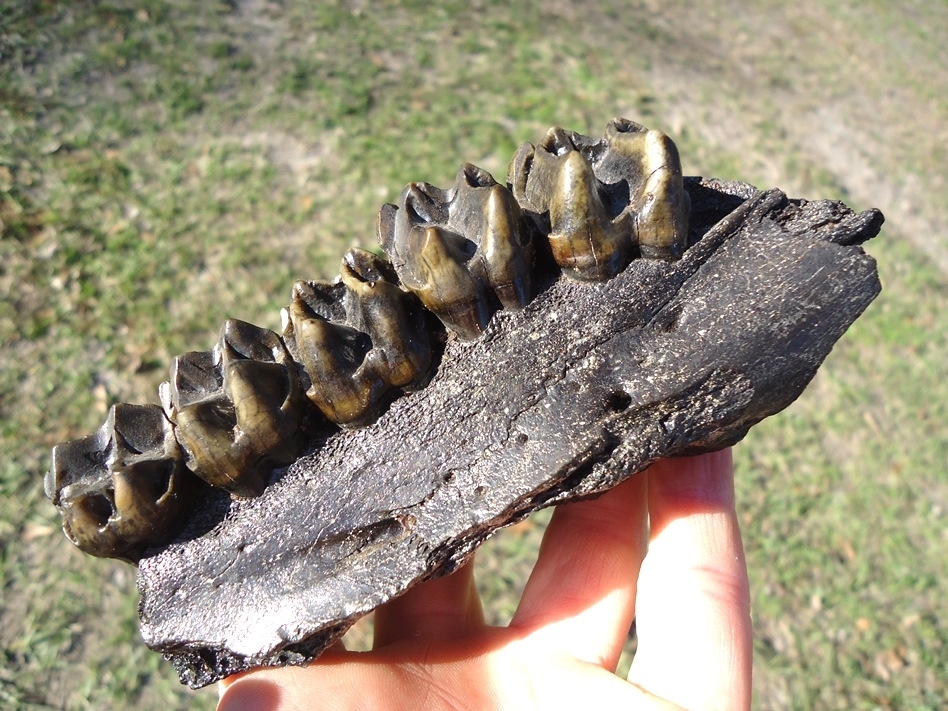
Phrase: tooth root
{"type": "Point", "coordinates": [438, 277]}
{"type": "Point", "coordinates": [121, 488]}
{"type": "Point", "coordinates": [585, 242]}
{"type": "Point", "coordinates": [237, 409]}
{"type": "Point", "coordinates": [507, 249]}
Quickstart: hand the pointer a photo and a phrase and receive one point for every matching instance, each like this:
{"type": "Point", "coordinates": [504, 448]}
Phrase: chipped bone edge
{"type": "Point", "coordinates": [235, 413]}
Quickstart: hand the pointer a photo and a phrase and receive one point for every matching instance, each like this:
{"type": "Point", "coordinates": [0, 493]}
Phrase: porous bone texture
{"type": "Point", "coordinates": [579, 390]}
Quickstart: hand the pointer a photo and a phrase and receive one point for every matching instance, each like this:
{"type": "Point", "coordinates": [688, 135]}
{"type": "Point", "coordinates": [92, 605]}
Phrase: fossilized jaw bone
{"type": "Point", "coordinates": [561, 400]}
{"type": "Point", "coordinates": [349, 346]}
{"type": "Point", "coordinates": [121, 488]}
{"type": "Point", "coordinates": [600, 202]}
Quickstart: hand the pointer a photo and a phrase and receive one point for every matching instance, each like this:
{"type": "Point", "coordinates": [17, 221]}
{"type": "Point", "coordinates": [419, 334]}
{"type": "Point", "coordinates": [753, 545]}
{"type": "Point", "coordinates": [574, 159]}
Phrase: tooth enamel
{"type": "Point", "coordinates": [599, 200]}
{"type": "Point", "coordinates": [663, 207]}
{"type": "Point", "coordinates": [463, 251]}
{"type": "Point", "coordinates": [237, 410]}
{"type": "Point", "coordinates": [357, 338]}
{"type": "Point", "coordinates": [507, 250]}
{"type": "Point", "coordinates": [659, 202]}
{"type": "Point", "coordinates": [585, 241]}
{"type": "Point", "coordinates": [444, 285]}
{"type": "Point", "coordinates": [122, 487]}
{"type": "Point", "coordinates": [332, 355]}
{"type": "Point", "coordinates": [392, 318]}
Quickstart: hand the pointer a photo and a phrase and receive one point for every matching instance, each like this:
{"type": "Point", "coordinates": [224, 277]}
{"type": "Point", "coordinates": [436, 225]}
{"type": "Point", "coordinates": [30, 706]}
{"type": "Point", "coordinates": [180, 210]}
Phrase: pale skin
{"type": "Point", "coordinates": [663, 548]}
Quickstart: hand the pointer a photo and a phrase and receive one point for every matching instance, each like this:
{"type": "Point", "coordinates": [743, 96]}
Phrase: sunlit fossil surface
{"type": "Point", "coordinates": [521, 345]}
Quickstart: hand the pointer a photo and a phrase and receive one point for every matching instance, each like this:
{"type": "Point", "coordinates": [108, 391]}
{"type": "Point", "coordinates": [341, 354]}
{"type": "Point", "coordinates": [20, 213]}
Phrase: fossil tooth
{"type": "Point", "coordinates": [660, 204]}
{"type": "Point", "coordinates": [121, 488]}
{"type": "Point", "coordinates": [585, 241]}
{"type": "Point", "coordinates": [392, 317]}
{"type": "Point", "coordinates": [357, 339]}
{"type": "Point", "coordinates": [237, 409]}
{"type": "Point", "coordinates": [331, 356]}
{"type": "Point", "coordinates": [464, 251]}
{"type": "Point", "coordinates": [598, 200]}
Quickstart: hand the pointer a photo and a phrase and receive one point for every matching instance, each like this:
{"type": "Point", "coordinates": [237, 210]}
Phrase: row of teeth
{"type": "Point", "coordinates": [233, 414]}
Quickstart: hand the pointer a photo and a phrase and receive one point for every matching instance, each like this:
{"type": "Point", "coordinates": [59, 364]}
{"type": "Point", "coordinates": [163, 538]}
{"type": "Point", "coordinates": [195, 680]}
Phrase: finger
{"type": "Point", "coordinates": [693, 608]}
{"type": "Point", "coordinates": [442, 608]}
{"type": "Point", "coordinates": [580, 598]}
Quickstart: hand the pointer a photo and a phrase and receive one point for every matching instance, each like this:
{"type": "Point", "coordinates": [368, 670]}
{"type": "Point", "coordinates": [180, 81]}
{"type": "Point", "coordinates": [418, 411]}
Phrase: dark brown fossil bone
{"type": "Point", "coordinates": [558, 399]}
{"type": "Point", "coordinates": [571, 395]}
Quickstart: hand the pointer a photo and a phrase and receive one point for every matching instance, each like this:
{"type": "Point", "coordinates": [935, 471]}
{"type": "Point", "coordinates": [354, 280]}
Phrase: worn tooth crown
{"type": "Point", "coordinates": [121, 488]}
{"type": "Point", "coordinates": [600, 200]}
{"type": "Point", "coordinates": [234, 413]}
{"type": "Point", "coordinates": [584, 239]}
{"type": "Point", "coordinates": [464, 251]}
{"type": "Point", "coordinates": [357, 339]}
{"type": "Point", "coordinates": [659, 202]}
{"type": "Point", "coordinates": [237, 410]}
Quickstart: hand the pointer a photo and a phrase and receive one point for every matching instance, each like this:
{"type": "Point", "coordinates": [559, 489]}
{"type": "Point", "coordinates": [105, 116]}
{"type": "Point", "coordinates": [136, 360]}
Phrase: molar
{"type": "Point", "coordinates": [357, 339]}
{"type": "Point", "coordinates": [237, 409]}
{"type": "Point", "coordinates": [120, 489]}
{"type": "Point", "coordinates": [600, 200]}
{"type": "Point", "coordinates": [464, 251]}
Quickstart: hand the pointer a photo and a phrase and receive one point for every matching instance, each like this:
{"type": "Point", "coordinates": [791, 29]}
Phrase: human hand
{"type": "Point", "coordinates": [663, 548]}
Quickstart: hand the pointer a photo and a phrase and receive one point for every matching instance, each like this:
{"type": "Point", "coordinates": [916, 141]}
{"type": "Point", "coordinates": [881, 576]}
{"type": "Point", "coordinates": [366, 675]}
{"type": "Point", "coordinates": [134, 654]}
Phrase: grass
{"type": "Point", "coordinates": [165, 165]}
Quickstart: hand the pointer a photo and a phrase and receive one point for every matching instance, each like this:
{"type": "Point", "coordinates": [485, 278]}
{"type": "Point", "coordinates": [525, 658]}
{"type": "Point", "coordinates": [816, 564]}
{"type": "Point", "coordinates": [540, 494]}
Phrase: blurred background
{"type": "Point", "coordinates": [166, 164]}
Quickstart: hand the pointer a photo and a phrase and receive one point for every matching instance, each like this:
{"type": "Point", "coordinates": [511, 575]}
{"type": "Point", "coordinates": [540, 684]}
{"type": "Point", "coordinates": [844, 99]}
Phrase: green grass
{"type": "Point", "coordinates": [165, 165]}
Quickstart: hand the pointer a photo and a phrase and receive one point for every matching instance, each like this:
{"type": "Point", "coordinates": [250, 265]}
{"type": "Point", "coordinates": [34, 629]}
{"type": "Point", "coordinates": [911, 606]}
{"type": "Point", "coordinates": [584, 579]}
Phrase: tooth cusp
{"type": "Point", "coordinates": [357, 339]}
{"type": "Point", "coordinates": [464, 252]}
{"type": "Point", "coordinates": [120, 489]}
{"type": "Point", "coordinates": [238, 409]}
